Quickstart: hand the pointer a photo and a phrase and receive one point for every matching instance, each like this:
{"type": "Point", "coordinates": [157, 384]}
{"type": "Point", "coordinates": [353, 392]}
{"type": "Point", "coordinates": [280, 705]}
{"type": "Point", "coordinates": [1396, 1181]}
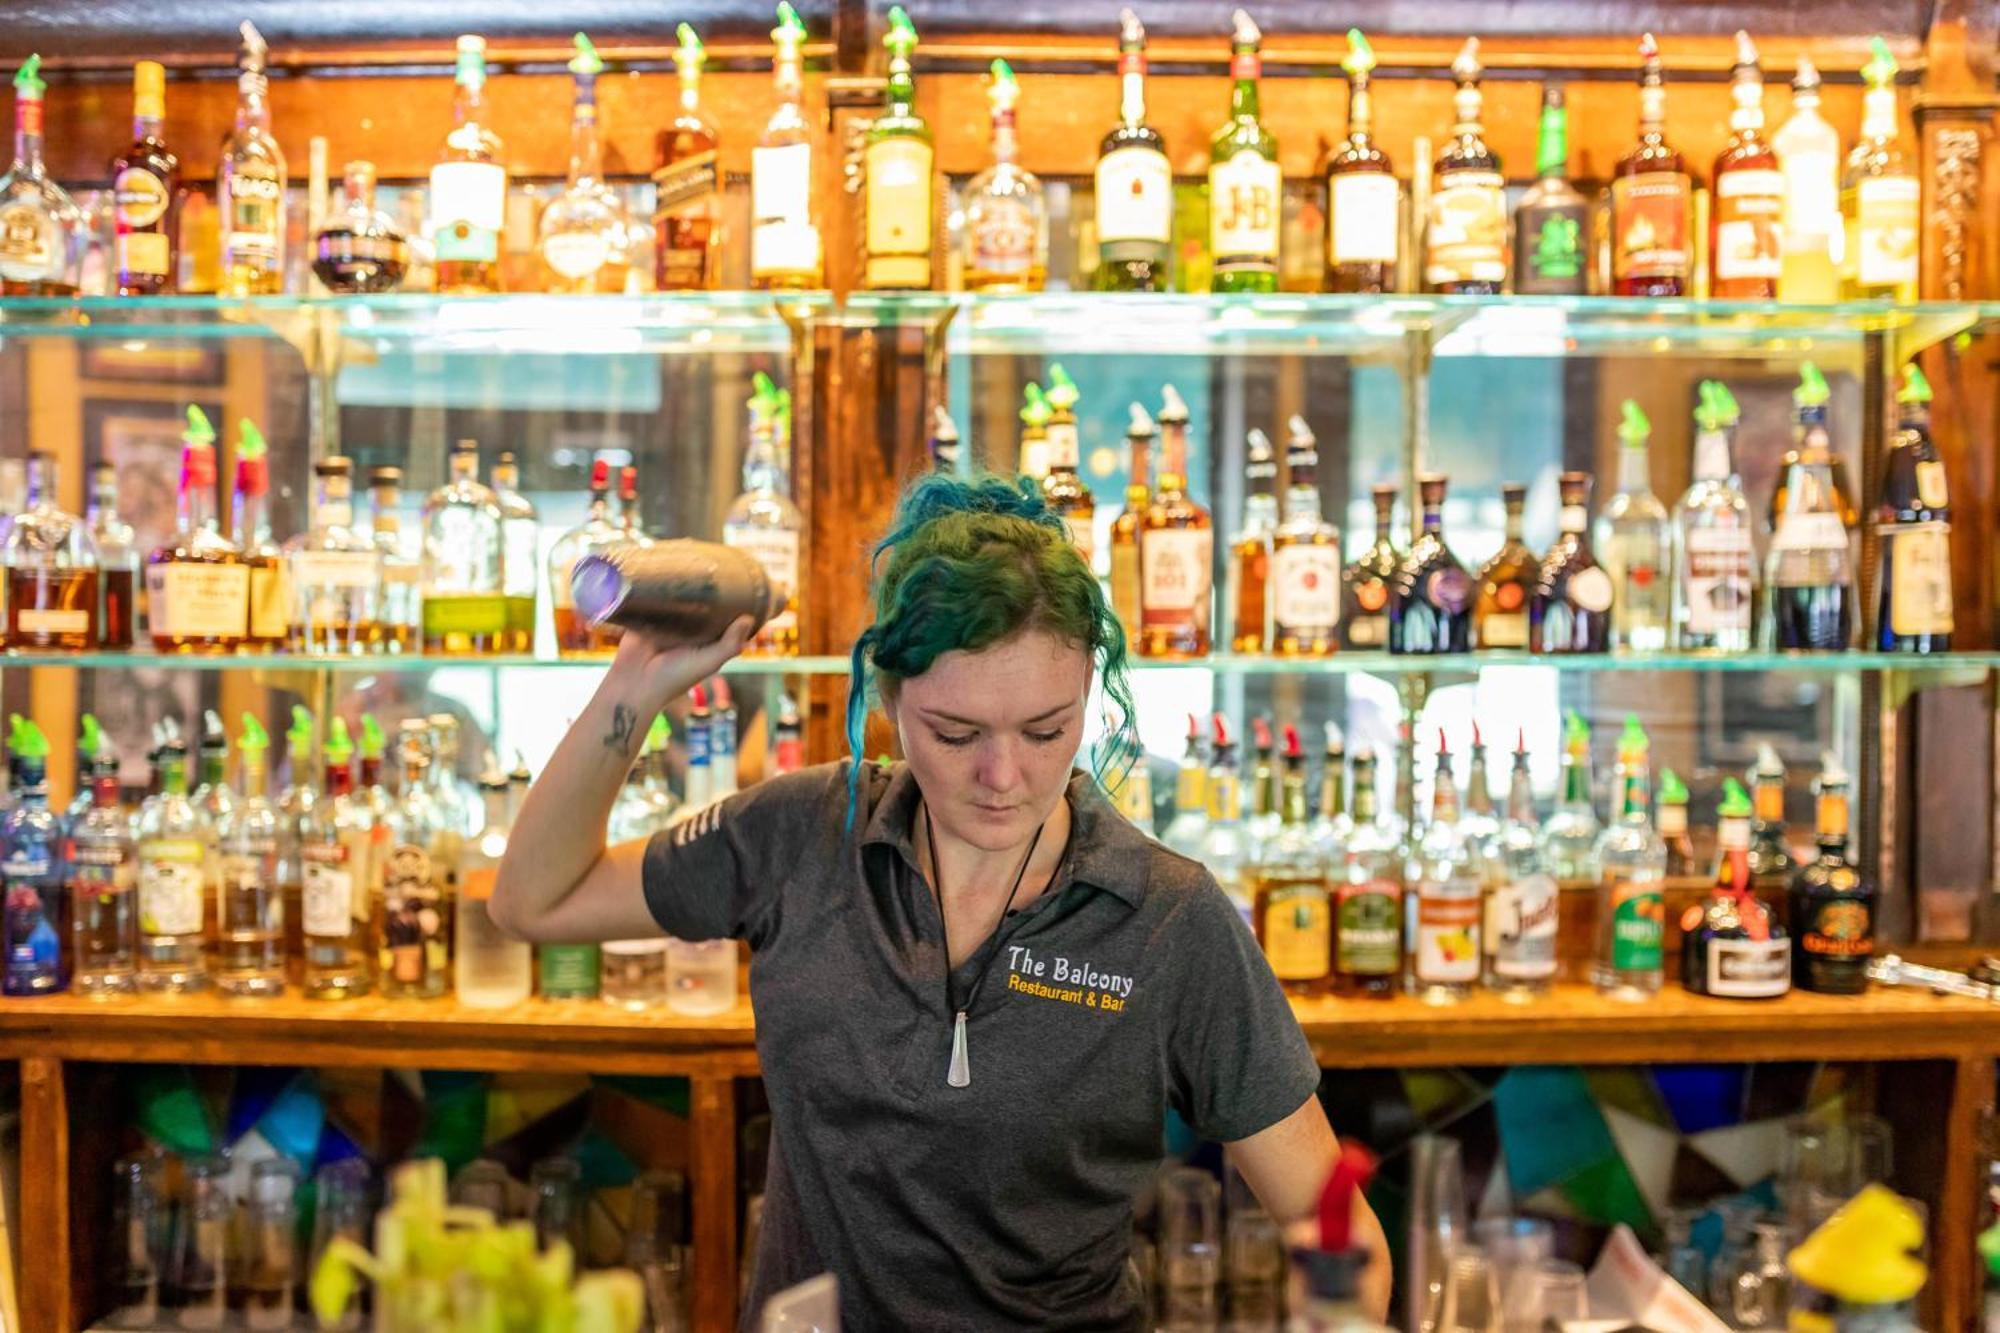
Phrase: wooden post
{"type": "Point", "coordinates": [47, 1299]}
{"type": "Point", "coordinates": [712, 1159]}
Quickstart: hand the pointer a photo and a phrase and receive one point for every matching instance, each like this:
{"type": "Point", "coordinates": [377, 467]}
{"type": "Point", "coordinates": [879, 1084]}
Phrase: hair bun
{"type": "Point", "coordinates": [937, 495]}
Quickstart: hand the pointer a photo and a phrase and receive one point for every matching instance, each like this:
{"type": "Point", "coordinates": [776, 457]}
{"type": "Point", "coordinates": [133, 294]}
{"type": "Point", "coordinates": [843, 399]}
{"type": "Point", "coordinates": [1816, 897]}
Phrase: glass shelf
{"type": "Point", "coordinates": [389, 663]}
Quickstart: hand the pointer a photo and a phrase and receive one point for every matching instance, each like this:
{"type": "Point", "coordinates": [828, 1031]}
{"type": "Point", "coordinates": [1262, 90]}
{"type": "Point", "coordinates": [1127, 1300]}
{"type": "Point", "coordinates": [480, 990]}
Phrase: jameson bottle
{"type": "Point", "coordinates": [1430, 599]}
{"type": "Point", "coordinates": [1364, 219]}
{"type": "Point", "coordinates": [1507, 581]}
{"type": "Point", "coordinates": [1176, 551]}
{"type": "Point", "coordinates": [1632, 861]}
{"type": "Point", "coordinates": [897, 162]}
{"type": "Point", "coordinates": [1746, 249]}
{"type": "Point", "coordinates": [1134, 183]}
{"type": "Point", "coordinates": [1730, 945]}
{"type": "Point", "coordinates": [1245, 187]}
{"type": "Point", "coordinates": [1651, 198]}
{"type": "Point", "coordinates": [1465, 235]}
{"type": "Point", "coordinates": [1368, 893]}
{"type": "Point", "coordinates": [1832, 906]}
{"type": "Point", "coordinates": [1570, 611]}
{"type": "Point", "coordinates": [1364, 585]}
{"type": "Point", "coordinates": [1550, 221]}
{"type": "Point", "coordinates": [1913, 611]}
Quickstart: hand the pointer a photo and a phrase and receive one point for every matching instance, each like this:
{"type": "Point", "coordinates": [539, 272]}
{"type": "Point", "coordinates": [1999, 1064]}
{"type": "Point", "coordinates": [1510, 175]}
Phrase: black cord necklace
{"type": "Point", "coordinates": [959, 1072]}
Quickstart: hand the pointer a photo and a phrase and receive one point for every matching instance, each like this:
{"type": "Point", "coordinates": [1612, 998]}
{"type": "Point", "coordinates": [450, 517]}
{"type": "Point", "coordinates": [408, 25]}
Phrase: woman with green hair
{"type": "Point", "coordinates": [979, 990]}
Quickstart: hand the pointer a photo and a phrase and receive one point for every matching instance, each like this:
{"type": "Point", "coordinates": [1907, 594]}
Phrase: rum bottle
{"type": "Point", "coordinates": [1880, 196]}
{"type": "Point", "coordinates": [117, 561]}
{"type": "Point", "coordinates": [1832, 905]}
{"type": "Point", "coordinates": [1006, 218]}
{"type": "Point", "coordinates": [1522, 909]}
{"type": "Point", "coordinates": [1290, 904]}
{"type": "Point", "coordinates": [250, 910]}
{"type": "Point", "coordinates": [763, 522]}
{"type": "Point", "coordinates": [1246, 189]}
{"type": "Point", "coordinates": [1632, 862]}
{"type": "Point", "coordinates": [1570, 611]}
{"type": "Point", "coordinates": [145, 194]}
{"type": "Point", "coordinates": [1250, 551]}
{"type": "Point", "coordinates": [1447, 875]}
{"type": "Point", "coordinates": [1551, 219]}
{"type": "Point", "coordinates": [1745, 230]}
{"type": "Point", "coordinates": [784, 243]}
{"type": "Point", "coordinates": [1176, 551]}
{"type": "Point", "coordinates": [1714, 564]}
{"type": "Point", "coordinates": [897, 163]}
{"type": "Point", "coordinates": [520, 545]}
{"type": "Point", "coordinates": [464, 578]}
{"type": "Point", "coordinates": [687, 184]}
{"type": "Point", "coordinates": [270, 602]}
{"type": "Point", "coordinates": [1651, 198]}
{"type": "Point", "coordinates": [1364, 200]}
{"type": "Point", "coordinates": [1189, 825]}
{"type": "Point", "coordinates": [1809, 588]}
{"type": "Point", "coordinates": [250, 185]}
{"type": "Point", "coordinates": [172, 860]}
{"type": "Point", "coordinates": [1635, 534]}
{"type": "Point", "coordinates": [1913, 611]}
{"type": "Point", "coordinates": [1730, 945]}
{"type": "Point", "coordinates": [584, 237]}
{"type": "Point", "coordinates": [1067, 494]}
{"type": "Point", "coordinates": [1139, 436]}
{"type": "Point", "coordinates": [360, 249]}
{"type": "Point", "coordinates": [1430, 598]}
{"type": "Point", "coordinates": [52, 588]}
{"type": "Point", "coordinates": [1365, 584]}
{"type": "Point", "coordinates": [197, 584]}
{"type": "Point", "coordinates": [1770, 857]}
{"type": "Point", "coordinates": [1507, 580]}
{"type": "Point", "coordinates": [1134, 182]}
{"type": "Point", "coordinates": [1305, 558]}
{"type": "Point", "coordinates": [400, 610]}
{"type": "Point", "coordinates": [101, 861]}
{"type": "Point", "coordinates": [596, 534]}
{"type": "Point", "coordinates": [468, 194]}
{"type": "Point", "coordinates": [1810, 227]}
{"type": "Point", "coordinates": [1368, 891]}
{"type": "Point", "coordinates": [413, 921]}
{"type": "Point", "coordinates": [1465, 232]}
{"type": "Point", "coordinates": [334, 571]}
{"type": "Point", "coordinates": [31, 875]}
{"type": "Point", "coordinates": [1569, 838]}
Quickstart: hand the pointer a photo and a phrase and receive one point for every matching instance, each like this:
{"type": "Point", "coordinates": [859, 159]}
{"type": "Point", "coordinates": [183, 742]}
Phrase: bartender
{"type": "Point", "coordinates": [979, 990]}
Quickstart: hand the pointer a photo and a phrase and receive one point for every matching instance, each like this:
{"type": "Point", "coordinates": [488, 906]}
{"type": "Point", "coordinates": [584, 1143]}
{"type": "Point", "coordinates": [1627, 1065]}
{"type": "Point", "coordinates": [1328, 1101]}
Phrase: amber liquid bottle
{"type": "Point", "coordinates": [1570, 611]}
{"type": "Point", "coordinates": [1176, 553]}
{"type": "Point", "coordinates": [1744, 232]}
{"type": "Point", "coordinates": [1250, 552]}
{"type": "Point", "coordinates": [197, 586]}
{"type": "Point", "coordinates": [145, 191]}
{"type": "Point", "coordinates": [1364, 585]}
{"type": "Point", "coordinates": [1363, 197]}
{"type": "Point", "coordinates": [1651, 195]}
{"type": "Point", "coordinates": [687, 185]}
{"type": "Point", "coordinates": [1500, 619]}
{"type": "Point", "coordinates": [117, 561]}
{"type": "Point", "coordinates": [1305, 558]}
{"type": "Point", "coordinates": [1139, 438]}
{"type": "Point", "coordinates": [51, 571]}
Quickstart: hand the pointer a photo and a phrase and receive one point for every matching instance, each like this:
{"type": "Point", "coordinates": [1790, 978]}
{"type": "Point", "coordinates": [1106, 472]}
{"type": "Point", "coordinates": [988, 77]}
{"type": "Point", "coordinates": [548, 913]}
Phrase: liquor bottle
{"type": "Point", "coordinates": [584, 237]}
{"type": "Point", "coordinates": [784, 243]}
{"type": "Point", "coordinates": [764, 523]}
{"type": "Point", "coordinates": [360, 249]}
{"type": "Point", "coordinates": [1139, 436]}
{"type": "Point", "coordinates": [1715, 580]}
{"type": "Point", "coordinates": [172, 876]}
{"type": "Point", "coordinates": [1176, 551]}
{"type": "Point", "coordinates": [1832, 905]}
{"type": "Point", "coordinates": [117, 561]}
{"type": "Point", "coordinates": [295, 804]}
{"type": "Point", "coordinates": [1810, 231]}
{"type": "Point", "coordinates": [1332, 824]}
{"type": "Point", "coordinates": [1549, 222]}
{"type": "Point", "coordinates": [1570, 611]}
{"type": "Point", "coordinates": [943, 443]}
{"type": "Point", "coordinates": [1569, 838]}
{"type": "Point", "coordinates": [1222, 842]}
{"type": "Point", "coordinates": [270, 602]}
{"type": "Point", "coordinates": [400, 610]}
{"type": "Point", "coordinates": [1465, 232]}
{"type": "Point", "coordinates": [1364, 214]}
{"type": "Point", "coordinates": [145, 194]}
{"type": "Point", "coordinates": [1673, 825]}
{"type": "Point", "coordinates": [1035, 412]}
{"type": "Point", "coordinates": [1263, 822]}
{"type": "Point", "coordinates": [1631, 911]}
{"type": "Point", "coordinates": [1506, 581]}
{"type": "Point", "coordinates": [1879, 197]}
{"type": "Point", "coordinates": [1651, 197]}
{"type": "Point", "coordinates": [1067, 493]}
{"type": "Point", "coordinates": [468, 185]}
{"type": "Point", "coordinates": [93, 752]}
{"type": "Point", "coordinates": [1809, 588]}
{"type": "Point", "coordinates": [1364, 585]}
{"type": "Point", "coordinates": [687, 184]}
{"type": "Point", "coordinates": [52, 590]}
{"type": "Point", "coordinates": [1730, 945]}
{"type": "Point", "coordinates": [1636, 535]}
{"type": "Point", "coordinates": [1770, 856]}
{"type": "Point", "coordinates": [1745, 236]}
{"type": "Point", "coordinates": [1250, 551]}
{"type": "Point", "coordinates": [1246, 189]}
{"type": "Point", "coordinates": [31, 874]}
{"type": "Point", "coordinates": [464, 578]}
{"type": "Point", "coordinates": [1523, 904]}
{"type": "Point", "coordinates": [457, 803]}
{"type": "Point", "coordinates": [1291, 907]}
{"type": "Point", "coordinates": [212, 800]}
{"type": "Point", "coordinates": [1447, 874]}
{"type": "Point", "coordinates": [491, 969]}
{"type": "Point", "coordinates": [1305, 558]}
{"type": "Point", "coordinates": [413, 920]}
{"type": "Point", "coordinates": [1134, 182]}
{"type": "Point", "coordinates": [723, 740]}
{"type": "Point", "coordinates": [249, 910]}
{"type": "Point", "coordinates": [1913, 612]}
{"type": "Point", "coordinates": [1131, 792]}
{"type": "Point", "coordinates": [334, 571]}
{"type": "Point", "coordinates": [1430, 598]}
{"type": "Point", "coordinates": [101, 862]}
{"type": "Point", "coordinates": [897, 162]}
{"type": "Point", "coordinates": [41, 230]}
{"type": "Point", "coordinates": [696, 782]}
{"type": "Point", "coordinates": [597, 533]}
{"type": "Point", "coordinates": [1368, 942]}
{"type": "Point", "coordinates": [250, 185]}
{"type": "Point", "coordinates": [1006, 218]}
{"type": "Point", "coordinates": [197, 585]}
{"type": "Point", "coordinates": [1480, 824]}
{"type": "Point", "coordinates": [520, 546]}
{"type": "Point", "coordinates": [1189, 825]}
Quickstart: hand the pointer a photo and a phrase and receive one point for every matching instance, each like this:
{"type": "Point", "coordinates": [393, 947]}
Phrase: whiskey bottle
{"type": "Point", "coordinates": [1447, 875]}
{"type": "Point", "coordinates": [1290, 903]}
{"type": "Point", "coordinates": [1176, 551]}
{"type": "Point", "coordinates": [400, 610]}
{"type": "Point", "coordinates": [172, 876]}
{"type": "Point", "coordinates": [1364, 215]}
{"type": "Point", "coordinates": [1810, 228]}
{"type": "Point", "coordinates": [1189, 824]}
{"type": "Point", "coordinates": [1364, 585]}
{"type": "Point", "coordinates": [491, 969]}
{"type": "Point", "coordinates": [334, 571]}
{"type": "Point", "coordinates": [1635, 534]}
{"type": "Point", "coordinates": [413, 920]}
{"type": "Point", "coordinates": [360, 249]}
{"type": "Point", "coordinates": [584, 237]}
{"type": "Point", "coordinates": [1250, 551]}
{"type": "Point", "coordinates": [1770, 857]}
{"type": "Point", "coordinates": [1632, 861]}
{"type": "Point", "coordinates": [521, 559]}
{"type": "Point", "coordinates": [1134, 182]}
{"type": "Point", "coordinates": [41, 229]}
{"type": "Point", "coordinates": [1673, 824]}
{"type": "Point", "coordinates": [785, 252]}
{"type": "Point", "coordinates": [1832, 905]}
{"type": "Point", "coordinates": [1651, 195]}
{"type": "Point", "coordinates": [1523, 906]}
{"type": "Point", "coordinates": [270, 602]}
{"type": "Point", "coordinates": [1569, 838]}
{"type": "Point", "coordinates": [117, 561]}
{"type": "Point", "coordinates": [102, 864]}
{"type": "Point", "coordinates": [1570, 611]}
{"type": "Point", "coordinates": [1506, 581]}
{"type": "Point", "coordinates": [897, 162]}
{"type": "Point", "coordinates": [1223, 845]}
{"type": "Point", "coordinates": [1006, 218]}
{"type": "Point", "coordinates": [1246, 190]}
{"type": "Point", "coordinates": [52, 574]}
{"type": "Point", "coordinates": [337, 864]}
{"type": "Point", "coordinates": [1880, 196]}
{"type": "Point", "coordinates": [464, 578]}
{"type": "Point", "coordinates": [1745, 237]}
{"type": "Point", "coordinates": [1550, 221]}
{"type": "Point", "coordinates": [249, 910]}
{"type": "Point", "coordinates": [1465, 233]}
{"type": "Point", "coordinates": [250, 185]}
{"type": "Point", "coordinates": [1368, 890]}
{"type": "Point", "coordinates": [1067, 494]}
{"type": "Point", "coordinates": [468, 194]}
{"type": "Point", "coordinates": [1714, 578]}
{"type": "Point", "coordinates": [764, 523]}
{"type": "Point", "coordinates": [1139, 436]}
{"type": "Point", "coordinates": [1430, 597]}
{"type": "Point", "coordinates": [687, 184]}
{"type": "Point", "coordinates": [1730, 945]}
{"type": "Point", "coordinates": [197, 585]}
{"type": "Point", "coordinates": [1034, 451]}
{"type": "Point", "coordinates": [1809, 588]}
{"type": "Point", "coordinates": [596, 534]}
{"type": "Point", "coordinates": [145, 195]}
{"type": "Point", "coordinates": [1305, 558]}
{"type": "Point", "coordinates": [1913, 529]}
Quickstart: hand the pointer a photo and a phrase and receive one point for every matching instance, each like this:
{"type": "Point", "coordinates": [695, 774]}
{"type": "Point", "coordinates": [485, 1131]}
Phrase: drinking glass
{"type": "Point", "coordinates": [201, 1250]}
{"type": "Point", "coordinates": [340, 1209]}
{"type": "Point", "coordinates": [1190, 1247]}
{"type": "Point", "coordinates": [141, 1221]}
{"type": "Point", "coordinates": [483, 1183]}
{"type": "Point", "coordinates": [1684, 1261]}
{"type": "Point", "coordinates": [270, 1259]}
{"type": "Point", "coordinates": [1471, 1293]}
{"type": "Point", "coordinates": [1560, 1294]}
{"type": "Point", "coordinates": [1437, 1225]}
{"type": "Point", "coordinates": [1254, 1258]}
{"type": "Point", "coordinates": [654, 1248]}
{"type": "Point", "coordinates": [1515, 1245]}
{"type": "Point", "coordinates": [556, 1184]}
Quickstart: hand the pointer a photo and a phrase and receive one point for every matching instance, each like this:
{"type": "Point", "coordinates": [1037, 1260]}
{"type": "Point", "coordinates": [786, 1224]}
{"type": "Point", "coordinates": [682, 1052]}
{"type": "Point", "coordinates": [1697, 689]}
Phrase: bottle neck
{"type": "Point", "coordinates": [252, 112]}
{"type": "Point", "coordinates": [1245, 66]}
{"type": "Point", "coordinates": [1364, 794]}
{"type": "Point", "coordinates": [586, 154]}
{"type": "Point", "coordinates": [1652, 109]}
{"type": "Point", "coordinates": [1003, 135]}
{"type": "Point", "coordinates": [690, 91]}
{"type": "Point", "coordinates": [1444, 794]}
{"type": "Point", "coordinates": [1132, 87]}
{"type": "Point", "coordinates": [1385, 522]}
{"type": "Point", "coordinates": [1634, 473]}
{"type": "Point", "coordinates": [371, 770]}
{"type": "Point", "coordinates": [1732, 861]}
{"type": "Point", "coordinates": [1513, 527]}
{"type": "Point", "coordinates": [763, 466]}
{"type": "Point", "coordinates": [339, 778]}
{"type": "Point", "coordinates": [469, 102]}
{"type": "Point", "coordinates": [901, 93]}
{"type": "Point", "coordinates": [173, 775]}
{"type": "Point", "coordinates": [1434, 517]}
{"type": "Point", "coordinates": [28, 135]}
{"type": "Point", "coordinates": [1831, 821]}
{"type": "Point", "coordinates": [252, 777]}
{"type": "Point", "coordinates": [145, 126]}
{"type": "Point", "coordinates": [1521, 795]}
{"type": "Point", "coordinates": [333, 507]}
{"type": "Point", "coordinates": [1173, 456]}
{"type": "Point", "coordinates": [1360, 111]}
{"type": "Point", "coordinates": [1468, 106]}
{"type": "Point", "coordinates": [1225, 791]}
{"type": "Point", "coordinates": [785, 75]}
{"type": "Point", "coordinates": [1711, 456]}
{"type": "Point", "coordinates": [252, 516]}
{"type": "Point", "coordinates": [197, 488]}
{"type": "Point", "coordinates": [1552, 144]}
{"type": "Point", "coordinates": [1333, 786]}
{"type": "Point", "coordinates": [1576, 782]}
{"type": "Point", "coordinates": [1878, 115]}
{"type": "Point", "coordinates": [104, 790]}
{"type": "Point", "coordinates": [1637, 801]}
{"type": "Point", "coordinates": [1293, 789]}
{"type": "Point", "coordinates": [496, 810]}
{"type": "Point", "coordinates": [1478, 791]}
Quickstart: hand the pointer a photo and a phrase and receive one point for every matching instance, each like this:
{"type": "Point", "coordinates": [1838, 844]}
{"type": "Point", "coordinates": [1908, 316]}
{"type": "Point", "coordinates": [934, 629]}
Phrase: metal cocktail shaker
{"type": "Point", "coordinates": [683, 591]}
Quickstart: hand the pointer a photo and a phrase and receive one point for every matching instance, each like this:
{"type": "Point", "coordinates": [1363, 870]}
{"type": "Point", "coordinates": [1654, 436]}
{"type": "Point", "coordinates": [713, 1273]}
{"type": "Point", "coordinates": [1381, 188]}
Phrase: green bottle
{"type": "Point", "coordinates": [1246, 190]}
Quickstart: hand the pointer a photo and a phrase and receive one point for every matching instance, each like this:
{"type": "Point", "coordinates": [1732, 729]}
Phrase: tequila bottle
{"type": "Point", "coordinates": [1551, 219]}
{"type": "Point", "coordinates": [1770, 856]}
{"type": "Point", "coordinates": [1809, 586]}
{"type": "Point", "coordinates": [1523, 906]}
{"type": "Point", "coordinates": [1652, 246]}
{"type": "Point", "coordinates": [102, 863]}
{"type": "Point", "coordinates": [1913, 611]}
{"type": "Point", "coordinates": [270, 602]}
{"type": "Point", "coordinates": [1223, 845]}
{"type": "Point", "coordinates": [1291, 906]}
{"type": "Point", "coordinates": [173, 855]}
{"type": "Point", "coordinates": [1570, 611]}
{"type": "Point", "coordinates": [584, 238]}
{"type": "Point", "coordinates": [1810, 227]}
{"type": "Point", "coordinates": [1067, 493]}
{"type": "Point", "coordinates": [784, 243]}
{"type": "Point", "coordinates": [145, 194]}
{"type": "Point", "coordinates": [1364, 222]}
{"type": "Point", "coordinates": [1465, 233]}
{"type": "Point", "coordinates": [400, 609]}
{"type": "Point", "coordinates": [41, 229]}
{"type": "Point", "coordinates": [249, 908]}
{"type": "Point", "coordinates": [117, 561]}
{"type": "Point", "coordinates": [197, 585]}
{"type": "Point", "coordinates": [1447, 877]}
{"type": "Point", "coordinates": [521, 557]}
{"type": "Point", "coordinates": [492, 970]}
{"type": "Point", "coordinates": [464, 578]}
{"type": "Point", "coordinates": [1189, 825]}
{"type": "Point", "coordinates": [597, 533]}
{"type": "Point", "coordinates": [250, 185]}
{"type": "Point", "coordinates": [334, 571]}
{"type": "Point", "coordinates": [1880, 195]}
{"type": "Point", "coordinates": [1506, 581]}
{"type": "Point", "coordinates": [1125, 583]}
{"type": "Point", "coordinates": [1673, 825]}
{"type": "Point", "coordinates": [1246, 189]}
{"type": "Point", "coordinates": [1134, 194]}
{"type": "Point", "coordinates": [1569, 838]}
{"type": "Point", "coordinates": [1365, 584]}
{"type": "Point", "coordinates": [1006, 218]}
{"type": "Point", "coordinates": [1832, 905]}
{"type": "Point", "coordinates": [1730, 945]}
{"type": "Point", "coordinates": [1635, 534]}
{"type": "Point", "coordinates": [1305, 557]}
{"type": "Point", "coordinates": [52, 588]}
{"type": "Point", "coordinates": [1250, 551]}
{"type": "Point", "coordinates": [360, 249]}
{"type": "Point", "coordinates": [687, 184]}
{"type": "Point", "coordinates": [897, 163]}
{"type": "Point", "coordinates": [1430, 597]}
{"type": "Point", "coordinates": [413, 919]}
{"type": "Point", "coordinates": [31, 875]}
{"type": "Point", "coordinates": [1368, 892]}
{"type": "Point", "coordinates": [468, 185]}
{"type": "Point", "coordinates": [763, 521]}
{"type": "Point", "coordinates": [1632, 862]}
{"type": "Point", "coordinates": [1035, 413]}
{"type": "Point", "coordinates": [1176, 552]}
{"type": "Point", "coordinates": [1746, 244]}
{"type": "Point", "coordinates": [1715, 580]}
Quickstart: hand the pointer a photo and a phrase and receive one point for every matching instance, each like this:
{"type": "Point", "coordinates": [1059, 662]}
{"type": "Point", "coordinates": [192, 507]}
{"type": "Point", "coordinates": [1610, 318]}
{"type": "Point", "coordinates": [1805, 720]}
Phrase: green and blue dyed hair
{"type": "Point", "coordinates": [969, 562]}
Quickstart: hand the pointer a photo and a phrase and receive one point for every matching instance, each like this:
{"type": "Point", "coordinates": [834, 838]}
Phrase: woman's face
{"type": "Point", "coordinates": [991, 735]}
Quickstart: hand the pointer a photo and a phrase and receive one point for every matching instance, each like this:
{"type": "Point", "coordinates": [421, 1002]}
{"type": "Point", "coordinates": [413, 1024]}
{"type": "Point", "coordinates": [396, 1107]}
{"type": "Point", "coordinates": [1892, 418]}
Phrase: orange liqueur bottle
{"type": "Point", "coordinates": [1650, 198]}
{"type": "Point", "coordinates": [197, 586]}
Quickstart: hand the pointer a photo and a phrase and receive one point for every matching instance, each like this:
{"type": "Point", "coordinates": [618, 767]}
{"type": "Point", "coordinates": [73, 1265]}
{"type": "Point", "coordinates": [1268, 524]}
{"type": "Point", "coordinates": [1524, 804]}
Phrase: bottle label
{"type": "Point", "coordinates": [1368, 631]}
{"type": "Point", "coordinates": [1521, 928]}
{"type": "Point", "coordinates": [1888, 241]}
{"type": "Point", "coordinates": [1305, 587]}
{"type": "Point", "coordinates": [1081, 536]}
{"type": "Point", "coordinates": [1370, 940]}
{"type": "Point", "coordinates": [1245, 203]}
{"type": "Point", "coordinates": [1364, 223]}
{"type": "Point", "coordinates": [1649, 215]}
{"type": "Point", "coordinates": [1836, 929]}
{"type": "Point", "coordinates": [1716, 580]}
{"type": "Point", "coordinates": [1749, 969]}
{"type": "Point", "coordinates": [253, 216]}
{"type": "Point", "coordinates": [899, 197]}
{"type": "Point", "coordinates": [413, 942]}
{"type": "Point", "coordinates": [781, 184]}
{"type": "Point", "coordinates": [1298, 931]}
{"type": "Point", "coordinates": [1590, 589]}
{"type": "Point", "coordinates": [1368, 627]}
{"type": "Point", "coordinates": [141, 253]}
{"type": "Point", "coordinates": [1505, 629]}
{"type": "Point", "coordinates": [1931, 488]}
{"type": "Point", "coordinates": [784, 247]}
{"type": "Point", "coordinates": [139, 198]}
{"type": "Point", "coordinates": [1809, 532]}
{"type": "Point", "coordinates": [170, 885]}
{"type": "Point", "coordinates": [1554, 245]}
{"type": "Point", "coordinates": [576, 255]}
{"type": "Point", "coordinates": [472, 613]}
{"type": "Point", "coordinates": [1812, 200]}
{"type": "Point", "coordinates": [468, 210]}
{"type": "Point", "coordinates": [1748, 208]}
{"type": "Point", "coordinates": [327, 898]}
{"type": "Point", "coordinates": [1004, 235]}
{"type": "Point", "coordinates": [270, 602]}
{"type": "Point", "coordinates": [31, 243]}
{"type": "Point", "coordinates": [25, 865]}
{"type": "Point", "coordinates": [39, 623]}
{"type": "Point", "coordinates": [1135, 196]}
{"type": "Point", "coordinates": [689, 184]}
{"type": "Point", "coordinates": [190, 600]}
{"type": "Point", "coordinates": [1466, 231]}
{"type": "Point", "coordinates": [1062, 445]}
{"type": "Point", "coordinates": [1919, 558]}
{"type": "Point", "coordinates": [1638, 926]}
{"type": "Point", "coordinates": [1125, 584]}
{"type": "Point", "coordinates": [777, 551]}
{"type": "Point", "coordinates": [1447, 932]}
{"type": "Point", "coordinates": [101, 872]}
{"type": "Point", "coordinates": [1175, 576]}
{"type": "Point", "coordinates": [1673, 819]}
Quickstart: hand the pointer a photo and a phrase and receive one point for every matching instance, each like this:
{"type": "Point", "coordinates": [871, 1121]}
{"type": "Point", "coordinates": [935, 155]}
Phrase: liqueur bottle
{"type": "Point", "coordinates": [1809, 585]}
{"type": "Point", "coordinates": [1447, 874]}
{"type": "Point", "coordinates": [1139, 436]}
{"type": "Point", "coordinates": [249, 908]}
{"type": "Point", "coordinates": [1365, 584]}
{"type": "Point", "coordinates": [1290, 904]}
{"type": "Point", "coordinates": [197, 584]}
{"type": "Point", "coordinates": [1305, 558]}
{"type": "Point", "coordinates": [584, 237]}
{"type": "Point", "coordinates": [1569, 838]}
{"type": "Point", "coordinates": [1246, 189]}
{"type": "Point", "coordinates": [101, 861]}
{"type": "Point", "coordinates": [31, 875]}
{"type": "Point", "coordinates": [1635, 534]}
{"type": "Point", "coordinates": [1746, 242]}
{"type": "Point", "coordinates": [468, 194]}
{"type": "Point", "coordinates": [1715, 580]}
{"type": "Point", "coordinates": [1832, 906]}
{"type": "Point", "coordinates": [145, 194]}
{"type": "Point", "coordinates": [117, 561]}
{"type": "Point", "coordinates": [52, 574]}
{"type": "Point", "coordinates": [413, 919]}
{"type": "Point", "coordinates": [1430, 598]}
{"type": "Point", "coordinates": [1770, 856]}
{"type": "Point", "coordinates": [1651, 198]}
{"type": "Point", "coordinates": [1176, 551]}
{"type": "Point", "coordinates": [520, 543]}
{"type": "Point", "coordinates": [1570, 611]}
{"type": "Point", "coordinates": [763, 521]}
{"type": "Point", "coordinates": [1880, 197]}
{"type": "Point", "coordinates": [1551, 219]}
{"type": "Point", "coordinates": [1523, 905]}
{"type": "Point", "coordinates": [1810, 228]}
{"type": "Point", "coordinates": [687, 184]}
{"type": "Point", "coordinates": [1250, 551]}
{"type": "Point", "coordinates": [250, 185]}
{"type": "Point", "coordinates": [172, 953]}
{"type": "Point", "coordinates": [1364, 215]}
{"type": "Point", "coordinates": [1632, 861]}
{"type": "Point", "coordinates": [1189, 825]}
{"type": "Point", "coordinates": [595, 535]}
{"type": "Point", "coordinates": [897, 163]}
{"type": "Point", "coordinates": [1507, 581]}
{"type": "Point", "coordinates": [1913, 611]}
{"type": "Point", "coordinates": [1067, 494]}
{"type": "Point", "coordinates": [1730, 945]}
{"type": "Point", "coordinates": [1368, 891]}
{"type": "Point", "coordinates": [785, 251]}
{"type": "Point", "coordinates": [41, 229]}
{"type": "Point", "coordinates": [1673, 825]}
{"type": "Point", "coordinates": [1465, 233]}
{"type": "Point", "coordinates": [464, 578]}
{"type": "Point", "coordinates": [360, 249]}
{"type": "Point", "coordinates": [270, 601]}
{"type": "Point", "coordinates": [1134, 194]}
{"type": "Point", "coordinates": [1006, 217]}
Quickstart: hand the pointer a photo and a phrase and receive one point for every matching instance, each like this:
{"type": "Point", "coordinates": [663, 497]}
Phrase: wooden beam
{"type": "Point", "coordinates": [46, 1221]}
{"type": "Point", "coordinates": [712, 1162]}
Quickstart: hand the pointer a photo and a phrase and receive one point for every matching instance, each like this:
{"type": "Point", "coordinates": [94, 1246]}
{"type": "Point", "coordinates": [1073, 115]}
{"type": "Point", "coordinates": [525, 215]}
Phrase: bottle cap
{"type": "Point", "coordinates": [789, 32]}
{"type": "Point", "coordinates": [254, 740]}
{"type": "Point", "coordinates": [149, 83]}
{"type": "Point", "coordinates": [372, 739]}
{"type": "Point", "coordinates": [1220, 726]}
{"type": "Point", "coordinates": [213, 736]}
{"type": "Point", "coordinates": [1880, 71]}
{"type": "Point", "coordinates": [1633, 427]}
{"type": "Point", "coordinates": [1245, 31]}
{"type": "Point", "coordinates": [1301, 438]}
{"type": "Point", "coordinates": [250, 443]}
{"type": "Point", "coordinates": [1035, 410]}
{"type": "Point", "coordinates": [32, 744]}
{"type": "Point", "coordinates": [1140, 423]}
{"type": "Point", "coordinates": [1260, 732]}
{"type": "Point", "coordinates": [690, 55]}
{"type": "Point", "coordinates": [199, 432]}
{"type": "Point", "coordinates": [1575, 730]}
{"type": "Point", "coordinates": [1746, 51]}
{"type": "Point", "coordinates": [1465, 66]}
{"type": "Point", "coordinates": [1005, 91]}
{"type": "Point", "coordinates": [943, 429]}
{"type": "Point", "coordinates": [1360, 57]}
{"type": "Point", "coordinates": [1633, 741]}
{"type": "Point", "coordinates": [901, 38]}
{"type": "Point", "coordinates": [1672, 790]}
{"type": "Point", "coordinates": [339, 746]}
{"type": "Point", "coordinates": [1812, 390]}
{"type": "Point", "coordinates": [1832, 773]}
{"type": "Point", "coordinates": [256, 51]}
{"type": "Point", "coordinates": [1806, 79]}
{"type": "Point", "coordinates": [1336, 739]}
{"type": "Point", "coordinates": [1062, 394]}
{"type": "Point", "coordinates": [1294, 752]}
{"type": "Point", "coordinates": [1768, 764]}
{"type": "Point", "coordinates": [92, 738]}
{"type": "Point", "coordinates": [585, 61]}
{"type": "Point", "coordinates": [1735, 801]}
{"type": "Point", "coordinates": [1257, 449]}
{"type": "Point", "coordinates": [1173, 407]}
{"type": "Point", "coordinates": [1916, 389]}
{"type": "Point", "coordinates": [28, 81]}
{"type": "Point", "coordinates": [299, 740]}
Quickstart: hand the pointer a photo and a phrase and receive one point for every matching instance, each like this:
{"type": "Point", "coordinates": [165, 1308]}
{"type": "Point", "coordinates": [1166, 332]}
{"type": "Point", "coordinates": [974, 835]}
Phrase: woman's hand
{"type": "Point", "coordinates": [663, 671]}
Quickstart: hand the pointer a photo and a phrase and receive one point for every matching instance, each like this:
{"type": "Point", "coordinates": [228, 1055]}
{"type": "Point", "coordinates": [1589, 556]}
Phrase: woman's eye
{"type": "Point", "coordinates": [963, 739]}
{"type": "Point", "coordinates": [1046, 737]}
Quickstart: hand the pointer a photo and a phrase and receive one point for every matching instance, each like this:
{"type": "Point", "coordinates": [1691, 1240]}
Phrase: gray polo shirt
{"type": "Point", "coordinates": [1129, 987]}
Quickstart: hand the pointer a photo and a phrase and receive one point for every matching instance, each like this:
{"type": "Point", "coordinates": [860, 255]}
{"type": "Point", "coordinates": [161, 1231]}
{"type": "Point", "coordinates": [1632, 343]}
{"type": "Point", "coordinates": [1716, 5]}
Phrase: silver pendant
{"type": "Point", "coordinates": [959, 1075]}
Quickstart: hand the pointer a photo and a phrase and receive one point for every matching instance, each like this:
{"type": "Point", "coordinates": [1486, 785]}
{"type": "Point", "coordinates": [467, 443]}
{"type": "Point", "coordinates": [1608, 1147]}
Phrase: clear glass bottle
{"type": "Point", "coordinates": [1745, 247]}
{"type": "Point", "coordinates": [270, 1265]}
{"type": "Point", "coordinates": [1632, 863]}
{"type": "Point", "coordinates": [584, 238]}
{"type": "Point", "coordinates": [173, 857]}
{"type": "Point", "coordinates": [763, 520]}
{"type": "Point", "coordinates": [1364, 213]}
{"type": "Point", "coordinates": [468, 193]}
{"type": "Point", "coordinates": [460, 808]}
{"type": "Point", "coordinates": [400, 609]}
{"type": "Point", "coordinates": [41, 229]}
{"type": "Point", "coordinates": [1134, 182]}
{"type": "Point", "coordinates": [1732, 945]}
{"type": "Point", "coordinates": [1760, 1295]}
{"type": "Point", "coordinates": [1571, 609]}
{"type": "Point", "coordinates": [250, 185]}
{"type": "Point", "coordinates": [1223, 842]}
{"type": "Point", "coordinates": [197, 586]}
{"type": "Point", "coordinates": [897, 161]}
{"type": "Point", "coordinates": [492, 969]}
{"type": "Point", "coordinates": [336, 854]}
{"type": "Point", "coordinates": [1246, 188]}
{"type": "Point", "coordinates": [1290, 903]}
{"type": "Point", "coordinates": [1673, 825]}
{"type": "Point", "coordinates": [1809, 579]}
{"type": "Point", "coordinates": [1913, 612]}
{"type": "Point", "coordinates": [1006, 217]}
{"type": "Point", "coordinates": [1066, 492]}
{"type": "Point", "coordinates": [413, 920]}
{"type": "Point", "coordinates": [52, 575]}
{"type": "Point", "coordinates": [101, 860]}
{"type": "Point", "coordinates": [1506, 580]}
{"type": "Point", "coordinates": [360, 249]}
{"type": "Point", "coordinates": [1465, 231]}
{"type": "Point", "coordinates": [1569, 838]}
{"type": "Point", "coordinates": [520, 543]}
{"type": "Point", "coordinates": [1523, 907]}
{"type": "Point", "coordinates": [1368, 939]}
{"type": "Point", "coordinates": [1331, 822]}
{"type": "Point", "coordinates": [145, 192]}
{"type": "Point", "coordinates": [249, 909]}
{"type": "Point", "coordinates": [1714, 561]}
{"type": "Point", "coordinates": [1447, 878]}
{"type": "Point", "coordinates": [597, 533]}
{"type": "Point", "coordinates": [1305, 557]}
{"type": "Point", "coordinates": [1189, 825]}
{"type": "Point", "coordinates": [1139, 436]}
{"type": "Point", "coordinates": [687, 184]}
{"type": "Point", "coordinates": [634, 976]}
{"type": "Point", "coordinates": [785, 251]}
{"type": "Point", "coordinates": [1809, 160]}
{"type": "Point", "coordinates": [37, 959]}
{"type": "Point", "coordinates": [1430, 597]}
{"type": "Point", "coordinates": [1652, 197]}
{"type": "Point", "coordinates": [334, 571]}
{"type": "Point", "coordinates": [1551, 219]}
{"type": "Point", "coordinates": [1249, 588]}
{"type": "Point", "coordinates": [117, 561]}
{"type": "Point", "coordinates": [464, 578]}
{"type": "Point", "coordinates": [1176, 551]}
{"type": "Point", "coordinates": [557, 1212]}
{"type": "Point", "coordinates": [1880, 197]}
{"type": "Point", "coordinates": [270, 601]}
{"type": "Point", "coordinates": [1636, 535]}
{"type": "Point", "coordinates": [295, 803]}
{"type": "Point", "coordinates": [1365, 583]}
{"type": "Point", "coordinates": [93, 753]}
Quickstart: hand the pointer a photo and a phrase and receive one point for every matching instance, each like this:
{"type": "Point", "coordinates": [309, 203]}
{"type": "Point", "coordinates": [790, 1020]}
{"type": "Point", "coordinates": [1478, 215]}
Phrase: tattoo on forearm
{"type": "Point", "coordinates": [624, 725]}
